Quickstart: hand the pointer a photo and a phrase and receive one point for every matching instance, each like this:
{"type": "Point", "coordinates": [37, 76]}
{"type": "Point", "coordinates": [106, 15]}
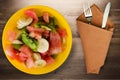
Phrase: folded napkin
{"type": "Point", "coordinates": [95, 40]}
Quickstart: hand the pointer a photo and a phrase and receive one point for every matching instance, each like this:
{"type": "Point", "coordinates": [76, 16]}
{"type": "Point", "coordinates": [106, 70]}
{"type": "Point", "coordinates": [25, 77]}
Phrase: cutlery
{"type": "Point", "coordinates": [106, 13]}
{"type": "Point", "coordinates": [87, 12]}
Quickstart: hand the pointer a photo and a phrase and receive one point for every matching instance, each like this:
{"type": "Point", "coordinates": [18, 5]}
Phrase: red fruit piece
{"type": "Point", "coordinates": [43, 55]}
{"type": "Point", "coordinates": [37, 30]}
{"type": "Point", "coordinates": [46, 17]}
{"type": "Point", "coordinates": [55, 43]}
{"type": "Point", "coordinates": [11, 35]}
{"type": "Point", "coordinates": [46, 33]}
{"type": "Point", "coordinates": [31, 13]}
{"type": "Point", "coordinates": [23, 57]}
{"type": "Point", "coordinates": [35, 35]}
{"type": "Point", "coordinates": [29, 62]}
{"type": "Point", "coordinates": [62, 32]}
{"type": "Point", "coordinates": [27, 52]}
{"type": "Point", "coordinates": [12, 52]}
{"type": "Point", "coordinates": [49, 60]}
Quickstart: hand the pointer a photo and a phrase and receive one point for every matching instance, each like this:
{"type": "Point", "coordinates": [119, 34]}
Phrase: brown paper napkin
{"type": "Point", "coordinates": [95, 40]}
{"type": "Point", "coordinates": [97, 18]}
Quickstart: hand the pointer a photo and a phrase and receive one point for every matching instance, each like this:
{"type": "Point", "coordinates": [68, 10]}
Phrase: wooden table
{"type": "Point", "coordinates": [74, 66]}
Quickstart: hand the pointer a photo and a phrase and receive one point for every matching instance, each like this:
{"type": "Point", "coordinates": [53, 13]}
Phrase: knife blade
{"type": "Point", "coordinates": [106, 13]}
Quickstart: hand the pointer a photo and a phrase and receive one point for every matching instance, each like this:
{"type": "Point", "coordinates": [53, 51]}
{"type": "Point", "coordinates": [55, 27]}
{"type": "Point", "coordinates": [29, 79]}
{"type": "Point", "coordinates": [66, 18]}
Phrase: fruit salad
{"type": "Point", "coordinates": [38, 41]}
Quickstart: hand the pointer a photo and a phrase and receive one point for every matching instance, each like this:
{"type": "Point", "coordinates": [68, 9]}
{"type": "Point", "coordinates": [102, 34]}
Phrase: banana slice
{"type": "Point", "coordinates": [40, 63]}
{"type": "Point", "coordinates": [25, 21]}
{"type": "Point", "coordinates": [43, 45]}
{"type": "Point", "coordinates": [36, 56]}
{"type": "Point", "coordinates": [17, 42]}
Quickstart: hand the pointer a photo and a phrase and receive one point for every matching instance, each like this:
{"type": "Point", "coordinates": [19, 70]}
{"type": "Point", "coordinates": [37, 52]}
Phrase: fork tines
{"type": "Point", "coordinates": [87, 12]}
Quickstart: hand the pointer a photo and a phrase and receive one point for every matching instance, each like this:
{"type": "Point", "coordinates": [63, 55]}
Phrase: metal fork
{"type": "Point", "coordinates": [88, 12]}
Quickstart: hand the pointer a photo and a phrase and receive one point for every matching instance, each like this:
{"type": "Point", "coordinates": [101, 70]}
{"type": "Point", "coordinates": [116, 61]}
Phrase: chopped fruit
{"type": "Point", "coordinates": [38, 41]}
{"type": "Point", "coordinates": [40, 63]}
{"type": "Point", "coordinates": [32, 29]}
{"type": "Point", "coordinates": [11, 35]}
{"type": "Point", "coordinates": [26, 50]}
{"type": "Point", "coordinates": [36, 56]}
{"type": "Point", "coordinates": [17, 42]}
{"type": "Point", "coordinates": [46, 17]}
{"type": "Point", "coordinates": [55, 43]}
{"type": "Point", "coordinates": [43, 45]}
{"type": "Point", "coordinates": [29, 62]}
{"type": "Point", "coordinates": [35, 35]}
{"type": "Point", "coordinates": [46, 33]}
{"type": "Point", "coordinates": [49, 60]}
{"type": "Point", "coordinates": [28, 53]}
{"type": "Point", "coordinates": [12, 52]}
{"type": "Point", "coordinates": [62, 32]}
{"type": "Point", "coordinates": [31, 13]}
{"type": "Point", "coordinates": [43, 55]}
{"type": "Point", "coordinates": [23, 22]}
{"type": "Point", "coordinates": [23, 57]}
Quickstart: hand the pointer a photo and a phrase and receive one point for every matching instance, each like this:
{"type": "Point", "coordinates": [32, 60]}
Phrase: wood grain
{"type": "Point", "coordinates": [74, 66]}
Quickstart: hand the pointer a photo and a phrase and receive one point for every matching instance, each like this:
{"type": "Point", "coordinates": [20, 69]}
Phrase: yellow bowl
{"type": "Point", "coordinates": [11, 25]}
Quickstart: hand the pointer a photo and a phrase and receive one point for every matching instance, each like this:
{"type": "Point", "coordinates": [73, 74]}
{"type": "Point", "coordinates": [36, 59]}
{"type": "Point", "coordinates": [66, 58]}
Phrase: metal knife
{"type": "Point", "coordinates": [106, 13]}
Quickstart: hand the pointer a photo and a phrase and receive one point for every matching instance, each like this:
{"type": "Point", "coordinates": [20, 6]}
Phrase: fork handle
{"type": "Point", "coordinates": [89, 19]}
